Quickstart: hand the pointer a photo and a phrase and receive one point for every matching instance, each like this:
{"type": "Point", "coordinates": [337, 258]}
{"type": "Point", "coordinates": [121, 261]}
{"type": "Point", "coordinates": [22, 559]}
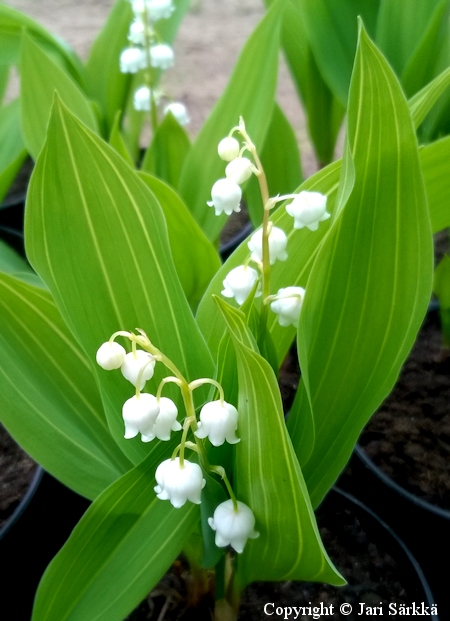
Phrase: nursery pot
{"type": "Point", "coordinates": [378, 566]}
{"type": "Point", "coordinates": [30, 539]}
{"type": "Point", "coordinates": [411, 430]}
{"type": "Point", "coordinates": [424, 527]}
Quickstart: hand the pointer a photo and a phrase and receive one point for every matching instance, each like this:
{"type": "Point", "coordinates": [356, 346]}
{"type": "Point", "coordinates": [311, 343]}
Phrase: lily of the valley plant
{"type": "Point", "coordinates": [142, 372]}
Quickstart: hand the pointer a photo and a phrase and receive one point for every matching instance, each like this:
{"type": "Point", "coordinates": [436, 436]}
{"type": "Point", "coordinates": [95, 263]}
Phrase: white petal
{"type": "Point", "coordinates": [110, 356]}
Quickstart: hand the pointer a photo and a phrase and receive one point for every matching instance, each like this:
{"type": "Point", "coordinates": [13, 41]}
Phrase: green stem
{"type": "Point", "coordinates": [149, 73]}
{"type": "Point", "coordinates": [267, 205]}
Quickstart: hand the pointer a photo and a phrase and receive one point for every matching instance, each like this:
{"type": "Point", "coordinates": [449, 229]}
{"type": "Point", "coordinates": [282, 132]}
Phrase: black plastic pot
{"type": "Point", "coordinates": [47, 515]}
{"type": "Point", "coordinates": [230, 246]}
{"type": "Point", "coordinates": [356, 540]}
{"type": "Point", "coordinates": [23, 504]}
{"type": "Point", "coordinates": [424, 527]}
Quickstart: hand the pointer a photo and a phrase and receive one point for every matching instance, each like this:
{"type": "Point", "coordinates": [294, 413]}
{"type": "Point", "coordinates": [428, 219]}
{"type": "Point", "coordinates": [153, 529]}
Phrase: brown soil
{"type": "Point", "coordinates": [409, 437]}
{"type": "Point", "coordinates": [17, 470]}
{"type": "Point", "coordinates": [376, 576]}
{"type": "Point", "coordinates": [207, 46]}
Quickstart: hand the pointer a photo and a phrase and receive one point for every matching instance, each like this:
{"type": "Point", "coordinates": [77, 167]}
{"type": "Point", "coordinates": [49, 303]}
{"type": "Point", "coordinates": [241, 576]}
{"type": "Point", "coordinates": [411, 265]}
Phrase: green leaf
{"type": "Point", "coordinates": [267, 476]}
{"type": "Point", "coordinates": [4, 78]}
{"type": "Point", "coordinates": [423, 101]}
{"type": "Point", "coordinates": [332, 32]}
{"type": "Point", "coordinates": [12, 24]}
{"type": "Point", "coordinates": [12, 152]}
{"type": "Point", "coordinates": [281, 162]}
{"type": "Point", "coordinates": [441, 285]}
{"type": "Point", "coordinates": [41, 77]}
{"type": "Point", "coordinates": [105, 83]}
{"type": "Point", "coordinates": [168, 28]}
{"type": "Point", "coordinates": [101, 577]}
{"type": "Point", "coordinates": [116, 140]}
{"type": "Point", "coordinates": [300, 425]}
{"type": "Point", "coordinates": [169, 148]}
{"type": "Point", "coordinates": [400, 28]}
{"type": "Point", "coordinates": [10, 261]}
{"type": "Point", "coordinates": [49, 399]}
{"type": "Point", "coordinates": [442, 290]}
{"type": "Point", "coordinates": [434, 159]}
{"type": "Point", "coordinates": [96, 235]}
{"type": "Point", "coordinates": [421, 65]}
{"type": "Point", "coordinates": [370, 284]}
{"type": "Point", "coordinates": [186, 240]}
{"type": "Point", "coordinates": [212, 495]}
{"type": "Point", "coordinates": [250, 93]}
{"type": "Point", "coordinates": [323, 111]}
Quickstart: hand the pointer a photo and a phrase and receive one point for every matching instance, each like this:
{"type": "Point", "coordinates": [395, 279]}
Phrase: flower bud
{"type": "Point", "coordinates": [277, 245]}
{"type": "Point", "coordinates": [136, 34]}
{"type": "Point", "coordinates": [288, 305]}
{"type": "Point", "coordinates": [139, 415]}
{"type": "Point", "coordinates": [132, 365]}
{"type": "Point", "coordinates": [179, 112]}
{"type": "Point", "coordinates": [131, 60]}
{"type": "Point", "coordinates": [239, 283]}
{"type": "Point", "coordinates": [308, 209]}
{"type": "Point", "coordinates": [165, 423]}
{"type": "Point", "coordinates": [179, 484]}
{"type": "Point", "coordinates": [142, 99]}
{"type": "Point", "coordinates": [218, 422]}
{"type": "Point", "coordinates": [228, 149]}
{"type": "Point", "coordinates": [110, 356]}
{"type": "Point", "coordinates": [161, 56]}
{"type": "Point", "coordinates": [239, 170]}
{"type": "Point", "coordinates": [226, 197]}
{"type": "Point", "coordinates": [233, 528]}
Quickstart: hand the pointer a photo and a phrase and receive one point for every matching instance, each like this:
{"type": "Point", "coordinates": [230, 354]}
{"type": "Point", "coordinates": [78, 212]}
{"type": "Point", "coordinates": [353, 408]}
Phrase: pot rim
{"type": "Point", "coordinates": [429, 598]}
{"type": "Point", "coordinates": [387, 480]}
{"type": "Point", "coordinates": [24, 502]}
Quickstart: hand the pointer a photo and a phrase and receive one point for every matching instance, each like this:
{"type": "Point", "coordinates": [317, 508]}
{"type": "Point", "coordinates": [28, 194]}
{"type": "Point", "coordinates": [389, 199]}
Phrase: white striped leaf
{"type": "Point", "coordinates": [267, 476]}
{"type": "Point", "coordinates": [96, 235]}
{"type": "Point", "coordinates": [49, 400]}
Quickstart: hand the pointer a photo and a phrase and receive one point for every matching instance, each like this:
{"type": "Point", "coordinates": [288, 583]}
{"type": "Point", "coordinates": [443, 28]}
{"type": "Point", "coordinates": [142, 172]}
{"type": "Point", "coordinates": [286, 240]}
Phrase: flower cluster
{"type": "Point", "coordinates": [154, 416]}
{"type": "Point", "coordinates": [269, 243]}
{"type": "Point", "coordinates": [226, 193]}
{"type": "Point", "coordinates": [146, 53]}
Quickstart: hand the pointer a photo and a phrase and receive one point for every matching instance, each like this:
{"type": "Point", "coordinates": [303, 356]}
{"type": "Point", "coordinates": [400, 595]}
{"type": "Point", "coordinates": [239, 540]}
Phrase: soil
{"type": "Point", "coordinates": [17, 470]}
{"type": "Point", "coordinates": [409, 437]}
{"type": "Point", "coordinates": [374, 576]}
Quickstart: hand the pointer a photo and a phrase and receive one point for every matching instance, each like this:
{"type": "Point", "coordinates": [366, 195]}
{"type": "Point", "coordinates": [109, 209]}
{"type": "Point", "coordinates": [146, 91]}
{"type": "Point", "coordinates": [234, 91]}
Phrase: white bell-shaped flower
{"type": "Point", "coordinates": [233, 528]}
{"type": "Point", "coordinates": [308, 209]}
{"type": "Point", "coordinates": [228, 149]}
{"type": "Point", "coordinates": [288, 305]}
{"type": "Point", "coordinates": [218, 422]}
{"type": "Point", "coordinates": [131, 60]}
{"type": "Point", "coordinates": [136, 33]}
{"type": "Point", "coordinates": [277, 245]}
{"type": "Point", "coordinates": [161, 56]}
{"type": "Point", "coordinates": [138, 6]}
{"type": "Point", "coordinates": [239, 283]}
{"type": "Point", "coordinates": [239, 170]}
{"type": "Point", "coordinates": [159, 9]}
{"type": "Point", "coordinates": [179, 484]}
{"type": "Point", "coordinates": [132, 365]}
{"type": "Point", "coordinates": [139, 414]}
{"type": "Point", "coordinates": [165, 423]}
{"type": "Point", "coordinates": [179, 111]}
{"type": "Point", "coordinates": [110, 356]}
{"type": "Point", "coordinates": [142, 99]}
{"type": "Point", "coordinates": [226, 197]}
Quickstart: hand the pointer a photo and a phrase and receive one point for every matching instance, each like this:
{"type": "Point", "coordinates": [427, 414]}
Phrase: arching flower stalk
{"type": "Point", "coordinates": [154, 417]}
